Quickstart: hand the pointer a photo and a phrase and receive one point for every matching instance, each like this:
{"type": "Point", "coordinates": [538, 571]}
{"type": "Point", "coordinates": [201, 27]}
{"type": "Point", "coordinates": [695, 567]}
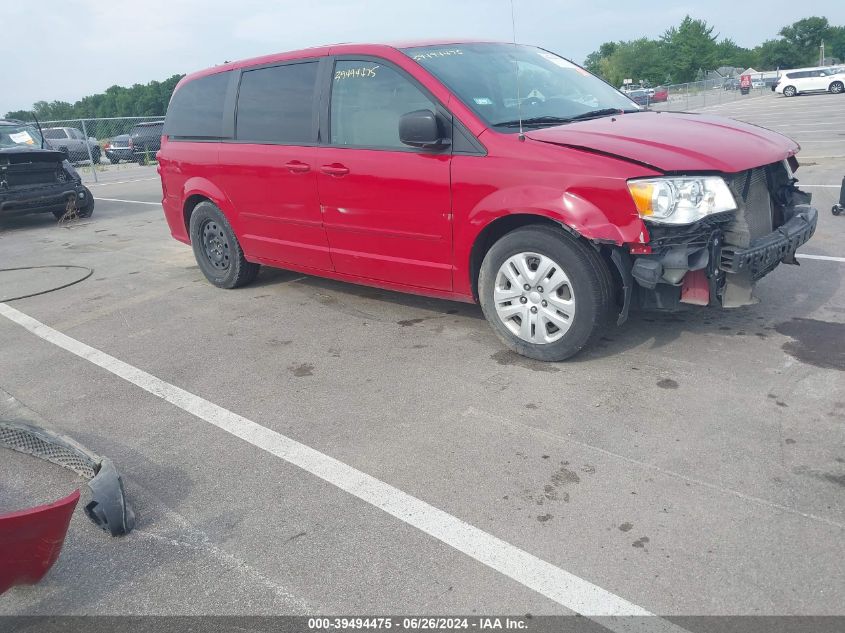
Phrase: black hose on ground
{"type": "Point", "coordinates": [90, 271]}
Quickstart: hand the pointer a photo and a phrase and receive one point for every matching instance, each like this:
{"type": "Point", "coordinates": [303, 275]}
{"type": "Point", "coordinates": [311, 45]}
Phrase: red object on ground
{"type": "Point", "coordinates": [31, 540]}
{"type": "Point", "coordinates": [696, 288]}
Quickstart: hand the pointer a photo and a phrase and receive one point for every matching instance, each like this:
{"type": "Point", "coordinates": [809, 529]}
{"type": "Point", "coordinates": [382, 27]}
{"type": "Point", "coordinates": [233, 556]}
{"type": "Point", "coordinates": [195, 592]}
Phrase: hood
{"type": "Point", "coordinates": [11, 155]}
{"type": "Point", "coordinates": [674, 141]}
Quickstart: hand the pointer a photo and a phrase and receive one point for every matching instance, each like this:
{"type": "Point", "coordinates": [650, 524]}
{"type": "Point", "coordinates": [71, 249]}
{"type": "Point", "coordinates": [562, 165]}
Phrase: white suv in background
{"type": "Point", "coordinates": [818, 79]}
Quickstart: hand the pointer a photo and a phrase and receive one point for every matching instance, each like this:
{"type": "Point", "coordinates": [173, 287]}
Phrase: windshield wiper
{"type": "Point", "coordinates": [531, 121]}
{"type": "Point", "coordinates": [558, 120]}
{"type": "Point", "coordinates": [594, 114]}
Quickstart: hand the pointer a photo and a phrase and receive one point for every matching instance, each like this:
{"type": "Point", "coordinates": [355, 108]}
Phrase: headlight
{"type": "Point", "coordinates": [680, 200]}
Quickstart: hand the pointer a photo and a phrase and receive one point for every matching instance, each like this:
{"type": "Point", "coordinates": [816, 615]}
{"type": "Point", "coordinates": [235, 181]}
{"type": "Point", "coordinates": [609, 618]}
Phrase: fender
{"type": "Point", "coordinates": [200, 186]}
{"type": "Point", "coordinates": [599, 214]}
{"type": "Point", "coordinates": [602, 215]}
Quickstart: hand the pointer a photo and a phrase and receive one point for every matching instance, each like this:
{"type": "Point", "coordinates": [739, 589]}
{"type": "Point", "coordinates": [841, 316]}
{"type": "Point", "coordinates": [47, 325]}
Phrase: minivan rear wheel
{"type": "Point", "coordinates": [545, 294]}
{"type": "Point", "coordinates": [789, 91]}
{"type": "Point", "coordinates": [217, 250]}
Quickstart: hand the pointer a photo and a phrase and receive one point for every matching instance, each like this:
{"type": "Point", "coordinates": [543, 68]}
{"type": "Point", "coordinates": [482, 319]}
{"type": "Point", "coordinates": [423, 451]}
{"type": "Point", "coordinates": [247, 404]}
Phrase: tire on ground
{"type": "Point", "coordinates": [87, 209]}
{"type": "Point", "coordinates": [591, 281]}
{"type": "Point", "coordinates": [239, 271]}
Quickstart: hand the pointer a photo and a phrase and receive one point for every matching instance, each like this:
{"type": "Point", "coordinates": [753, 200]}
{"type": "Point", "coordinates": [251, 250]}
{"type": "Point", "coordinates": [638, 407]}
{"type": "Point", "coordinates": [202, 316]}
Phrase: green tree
{"type": "Point", "coordinates": [835, 43]}
{"type": "Point", "coordinates": [773, 54]}
{"type": "Point", "coordinates": [805, 36]}
{"type": "Point", "coordinates": [729, 53]}
{"type": "Point", "coordinates": [594, 59]}
{"type": "Point", "coordinates": [690, 46]}
{"type": "Point", "coordinates": [149, 99]}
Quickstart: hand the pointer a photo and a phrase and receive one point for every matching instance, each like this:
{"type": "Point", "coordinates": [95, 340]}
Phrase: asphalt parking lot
{"type": "Point", "coordinates": [690, 464]}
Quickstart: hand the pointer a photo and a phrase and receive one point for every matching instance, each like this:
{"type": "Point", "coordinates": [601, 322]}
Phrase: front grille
{"type": "Point", "coordinates": [21, 175]}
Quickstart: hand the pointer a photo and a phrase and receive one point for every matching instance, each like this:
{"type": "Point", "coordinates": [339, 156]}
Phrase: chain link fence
{"type": "Point", "coordinates": [701, 94]}
{"type": "Point", "coordinates": [95, 146]}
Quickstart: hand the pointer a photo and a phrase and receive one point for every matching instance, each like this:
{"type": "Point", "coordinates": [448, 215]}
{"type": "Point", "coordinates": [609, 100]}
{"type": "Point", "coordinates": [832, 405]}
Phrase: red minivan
{"type": "Point", "coordinates": [482, 172]}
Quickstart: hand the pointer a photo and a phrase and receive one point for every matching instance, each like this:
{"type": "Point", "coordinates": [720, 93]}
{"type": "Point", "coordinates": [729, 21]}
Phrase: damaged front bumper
{"type": "Point", "coordinates": [779, 246]}
{"type": "Point", "coordinates": [41, 198]}
{"type": "Point", "coordinates": [696, 264]}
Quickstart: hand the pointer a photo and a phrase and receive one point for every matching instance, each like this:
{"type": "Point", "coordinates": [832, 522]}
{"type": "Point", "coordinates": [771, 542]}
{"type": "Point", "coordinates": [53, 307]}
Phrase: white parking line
{"type": "Point", "coordinates": [801, 185]}
{"type": "Point", "coordinates": [825, 258]}
{"type": "Point", "coordinates": [564, 588]}
{"type": "Point", "coordinates": [157, 204]}
{"type": "Point", "coordinates": [120, 182]}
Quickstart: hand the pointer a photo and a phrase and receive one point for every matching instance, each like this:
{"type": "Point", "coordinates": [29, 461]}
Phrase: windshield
{"type": "Point", "coordinates": [550, 90]}
{"type": "Point", "coordinates": [19, 136]}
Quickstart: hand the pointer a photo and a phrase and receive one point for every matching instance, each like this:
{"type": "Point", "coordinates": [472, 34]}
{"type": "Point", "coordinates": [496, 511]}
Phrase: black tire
{"type": "Point", "coordinates": [87, 210]}
{"type": "Point", "coordinates": [217, 250]}
{"type": "Point", "coordinates": [95, 155]}
{"type": "Point", "coordinates": [789, 91]}
{"type": "Point", "coordinates": [591, 285]}
{"type": "Point", "coordinates": [837, 87]}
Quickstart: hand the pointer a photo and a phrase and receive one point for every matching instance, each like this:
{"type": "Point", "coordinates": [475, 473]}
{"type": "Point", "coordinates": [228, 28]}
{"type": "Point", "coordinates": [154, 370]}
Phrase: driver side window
{"type": "Point", "coordinates": [366, 102]}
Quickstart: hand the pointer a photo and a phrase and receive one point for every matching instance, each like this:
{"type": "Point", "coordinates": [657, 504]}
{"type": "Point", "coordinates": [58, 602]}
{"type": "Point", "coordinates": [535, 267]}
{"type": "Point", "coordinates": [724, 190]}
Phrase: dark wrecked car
{"type": "Point", "coordinates": [34, 178]}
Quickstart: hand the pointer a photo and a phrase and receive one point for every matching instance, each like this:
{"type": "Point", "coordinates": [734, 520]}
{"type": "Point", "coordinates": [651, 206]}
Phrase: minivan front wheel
{"type": "Point", "coordinates": [545, 294]}
{"type": "Point", "coordinates": [836, 87]}
{"type": "Point", "coordinates": [217, 250]}
{"type": "Point", "coordinates": [789, 91]}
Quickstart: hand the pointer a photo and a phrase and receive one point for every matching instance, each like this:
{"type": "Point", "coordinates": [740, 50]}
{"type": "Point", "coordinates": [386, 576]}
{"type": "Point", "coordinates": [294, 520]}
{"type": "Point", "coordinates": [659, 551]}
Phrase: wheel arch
{"type": "Point", "coordinates": [503, 225]}
{"type": "Point", "coordinates": [576, 214]}
{"type": "Point", "coordinates": [198, 190]}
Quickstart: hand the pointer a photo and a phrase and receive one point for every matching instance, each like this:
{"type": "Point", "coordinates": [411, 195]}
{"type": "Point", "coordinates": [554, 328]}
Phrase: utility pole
{"type": "Point", "coordinates": [821, 54]}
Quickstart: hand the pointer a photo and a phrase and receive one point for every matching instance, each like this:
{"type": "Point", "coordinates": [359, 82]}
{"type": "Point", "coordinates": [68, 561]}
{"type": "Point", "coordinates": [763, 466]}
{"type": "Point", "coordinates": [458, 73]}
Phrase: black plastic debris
{"type": "Point", "coordinates": [108, 508]}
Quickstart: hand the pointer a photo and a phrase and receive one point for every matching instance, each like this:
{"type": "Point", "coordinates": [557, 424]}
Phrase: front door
{"type": "Point", "coordinates": [386, 206]}
{"type": "Point", "coordinates": [269, 171]}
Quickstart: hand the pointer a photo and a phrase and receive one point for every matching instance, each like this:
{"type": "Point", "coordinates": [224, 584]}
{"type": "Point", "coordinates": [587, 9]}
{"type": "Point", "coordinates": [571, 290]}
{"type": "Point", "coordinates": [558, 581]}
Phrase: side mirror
{"type": "Point", "coordinates": [420, 129]}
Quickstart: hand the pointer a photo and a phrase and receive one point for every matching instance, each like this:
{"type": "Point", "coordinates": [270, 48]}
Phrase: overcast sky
{"type": "Point", "coordinates": [66, 49]}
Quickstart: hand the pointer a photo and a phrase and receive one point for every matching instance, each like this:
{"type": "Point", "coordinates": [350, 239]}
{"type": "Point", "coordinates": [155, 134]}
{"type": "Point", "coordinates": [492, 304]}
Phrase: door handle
{"type": "Point", "coordinates": [298, 167]}
{"type": "Point", "coordinates": [335, 169]}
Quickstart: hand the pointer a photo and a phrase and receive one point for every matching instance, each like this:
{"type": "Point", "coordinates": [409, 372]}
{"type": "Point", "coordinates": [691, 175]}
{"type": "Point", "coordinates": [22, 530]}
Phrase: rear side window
{"type": "Point", "coordinates": [55, 133]}
{"type": "Point", "coordinates": [276, 105]}
{"type": "Point", "coordinates": [367, 100]}
{"type": "Point", "coordinates": [196, 109]}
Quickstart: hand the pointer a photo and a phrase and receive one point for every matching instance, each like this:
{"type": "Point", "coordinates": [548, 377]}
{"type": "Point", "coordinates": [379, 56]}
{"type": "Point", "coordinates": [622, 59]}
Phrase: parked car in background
{"type": "Point", "coordinates": [145, 141]}
{"type": "Point", "coordinates": [420, 169]}
{"type": "Point", "coordinates": [661, 94]}
{"type": "Point", "coordinates": [731, 84]}
{"type": "Point", "coordinates": [804, 80]}
{"type": "Point", "coordinates": [73, 141]}
{"type": "Point", "coordinates": [640, 97]}
{"type": "Point", "coordinates": [34, 177]}
{"type": "Point", "coordinates": [119, 148]}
